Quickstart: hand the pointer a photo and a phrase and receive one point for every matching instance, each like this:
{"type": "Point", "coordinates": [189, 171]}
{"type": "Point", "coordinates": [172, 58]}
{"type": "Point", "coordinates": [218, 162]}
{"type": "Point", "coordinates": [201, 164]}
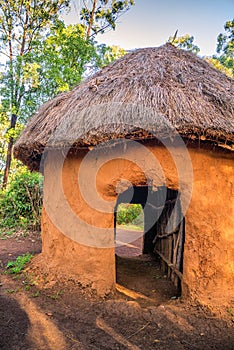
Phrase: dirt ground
{"type": "Point", "coordinates": [145, 313]}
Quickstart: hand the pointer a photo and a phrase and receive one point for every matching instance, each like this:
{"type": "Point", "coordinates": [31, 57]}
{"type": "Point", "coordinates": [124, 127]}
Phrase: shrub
{"type": "Point", "coordinates": [129, 213]}
{"type": "Point", "coordinates": [20, 203]}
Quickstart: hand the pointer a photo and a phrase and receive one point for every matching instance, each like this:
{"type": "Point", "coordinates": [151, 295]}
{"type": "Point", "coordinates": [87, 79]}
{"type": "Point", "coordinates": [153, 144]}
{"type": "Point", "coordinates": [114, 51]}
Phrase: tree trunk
{"type": "Point", "coordinates": [91, 20]}
{"type": "Point", "coordinates": [9, 152]}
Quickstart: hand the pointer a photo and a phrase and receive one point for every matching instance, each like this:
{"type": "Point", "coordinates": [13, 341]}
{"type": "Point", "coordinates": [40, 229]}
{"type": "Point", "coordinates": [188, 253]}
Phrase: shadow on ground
{"type": "Point", "coordinates": [14, 324]}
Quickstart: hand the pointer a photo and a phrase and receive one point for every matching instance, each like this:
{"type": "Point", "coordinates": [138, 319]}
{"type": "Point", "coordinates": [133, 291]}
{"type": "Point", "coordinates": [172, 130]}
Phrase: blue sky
{"type": "Point", "coordinates": [151, 22]}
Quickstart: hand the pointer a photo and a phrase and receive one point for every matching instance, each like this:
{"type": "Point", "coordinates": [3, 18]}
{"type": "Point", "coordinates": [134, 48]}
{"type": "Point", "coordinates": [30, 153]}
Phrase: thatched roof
{"type": "Point", "coordinates": [133, 96]}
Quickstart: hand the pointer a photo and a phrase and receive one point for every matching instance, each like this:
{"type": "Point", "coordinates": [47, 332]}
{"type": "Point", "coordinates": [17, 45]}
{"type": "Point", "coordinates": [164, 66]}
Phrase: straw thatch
{"type": "Point", "coordinates": [135, 97]}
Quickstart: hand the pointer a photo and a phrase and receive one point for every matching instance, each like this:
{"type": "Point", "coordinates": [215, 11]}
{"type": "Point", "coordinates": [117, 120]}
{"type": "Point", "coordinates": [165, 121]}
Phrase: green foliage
{"type": "Point", "coordinates": [225, 48]}
{"type": "Point", "coordinates": [129, 213]}
{"type": "Point", "coordinates": [61, 61]}
{"type": "Point", "coordinates": [5, 133]}
{"type": "Point", "coordinates": [100, 15]}
{"type": "Point", "coordinates": [185, 42]}
{"type": "Point", "coordinates": [56, 295]}
{"type": "Point", "coordinates": [226, 41]}
{"type": "Point", "coordinates": [20, 203]}
{"type": "Point", "coordinates": [58, 64]}
{"type": "Point", "coordinates": [107, 54]}
{"type": "Point", "coordinates": [22, 22]}
{"type": "Point", "coordinates": [36, 294]}
{"type": "Point", "coordinates": [4, 124]}
{"type": "Point", "coordinates": [44, 57]}
{"type": "Point", "coordinates": [67, 52]}
{"type": "Point", "coordinates": [16, 266]}
{"type": "Point", "coordinates": [218, 65]}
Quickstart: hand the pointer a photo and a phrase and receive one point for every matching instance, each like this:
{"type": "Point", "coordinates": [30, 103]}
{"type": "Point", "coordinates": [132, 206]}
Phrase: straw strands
{"type": "Point", "coordinates": [147, 92]}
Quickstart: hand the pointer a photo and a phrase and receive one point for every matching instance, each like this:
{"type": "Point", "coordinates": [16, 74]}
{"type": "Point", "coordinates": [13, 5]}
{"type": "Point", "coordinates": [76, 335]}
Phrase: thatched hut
{"type": "Point", "coordinates": [156, 127]}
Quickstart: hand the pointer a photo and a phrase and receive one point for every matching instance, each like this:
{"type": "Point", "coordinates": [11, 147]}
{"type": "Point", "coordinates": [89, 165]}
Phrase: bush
{"type": "Point", "coordinates": [129, 213]}
{"type": "Point", "coordinates": [20, 203]}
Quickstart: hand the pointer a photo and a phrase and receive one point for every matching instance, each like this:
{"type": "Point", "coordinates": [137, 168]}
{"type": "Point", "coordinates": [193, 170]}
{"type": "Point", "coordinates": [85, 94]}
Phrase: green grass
{"type": "Point", "coordinates": [131, 227]}
{"type": "Point", "coordinates": [56, 295]}
{"type": "Point", "coordinates": [6, 233]}
{"type": "Point", "coordinates": [16, 266]}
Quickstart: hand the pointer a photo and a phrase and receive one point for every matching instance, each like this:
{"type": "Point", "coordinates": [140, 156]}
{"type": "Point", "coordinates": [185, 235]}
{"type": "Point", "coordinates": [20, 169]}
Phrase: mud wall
{"type": "Point", "coordinates": [70, 248]}
{"type": "Point", "coordinates": [77, 220]}
{"type": "Point", "coordinates": [209, 234]}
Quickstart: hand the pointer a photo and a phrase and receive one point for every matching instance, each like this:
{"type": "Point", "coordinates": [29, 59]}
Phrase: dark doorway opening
{"type": "Point", "coordinates": [162, 246]}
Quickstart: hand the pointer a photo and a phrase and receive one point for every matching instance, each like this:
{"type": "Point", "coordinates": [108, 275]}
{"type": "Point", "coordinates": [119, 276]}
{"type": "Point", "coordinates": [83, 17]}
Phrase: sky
{"type": "Point", "coordinates": [151, 22]}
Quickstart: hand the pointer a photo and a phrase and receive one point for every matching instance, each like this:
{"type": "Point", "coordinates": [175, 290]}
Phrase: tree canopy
{"type": "Point", "coordinates": [100, 15]}
{"type": "Point", "coordinates": [21, 23]}
{"type": "Point", "coordinates": [225, 48]}
{"type": "Point", "coordinates": [43, 56]}
{"type": "Point", "coordinates": [185, 42]}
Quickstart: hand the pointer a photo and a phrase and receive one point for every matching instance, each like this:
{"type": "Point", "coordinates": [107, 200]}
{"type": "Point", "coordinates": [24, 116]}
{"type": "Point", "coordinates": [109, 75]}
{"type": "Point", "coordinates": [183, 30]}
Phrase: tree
{"type": "Point", "coordinates": [100, 15]}
{"type": "Point", "coordinates": [107, 54]}
{"type": "Point", "coordinates": [226, 41]}
{"type": "Point", "coordinates": [185, 42]}
{"type": "Point", "coordinates": [56, 64]}
{"type": "Point", "coordinates": [225, 48]}
{"type": "Point", "coordinates": [60, 62]}
{"type": "Point", "coordinates": [220, 66]}
{"type": "Point", "coordinates": [3, 125]}
{"type": "Point", "coordinates": [44, 57]}
{"type": "Point", "coordinates": [21, 23]}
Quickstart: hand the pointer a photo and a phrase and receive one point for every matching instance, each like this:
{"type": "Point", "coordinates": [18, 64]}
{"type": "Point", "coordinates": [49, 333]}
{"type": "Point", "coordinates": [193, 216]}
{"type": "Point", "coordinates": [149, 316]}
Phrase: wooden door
{"type": "Point", "coordinates": [169, 246]}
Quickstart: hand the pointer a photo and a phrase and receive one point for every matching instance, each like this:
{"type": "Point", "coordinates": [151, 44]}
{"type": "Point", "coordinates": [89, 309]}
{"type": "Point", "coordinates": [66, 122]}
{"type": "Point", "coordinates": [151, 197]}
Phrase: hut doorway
{"type": "Point", "coordinates": [129, 221]}
{"type": "Point", "coordinates": [129, 230]}
{"type": "Point", "coordinates": [159, 262]}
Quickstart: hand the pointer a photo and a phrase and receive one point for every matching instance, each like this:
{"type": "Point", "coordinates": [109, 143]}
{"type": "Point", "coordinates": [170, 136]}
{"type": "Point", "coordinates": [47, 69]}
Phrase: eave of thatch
{"type": "Point", "coordinates": [131, 97]}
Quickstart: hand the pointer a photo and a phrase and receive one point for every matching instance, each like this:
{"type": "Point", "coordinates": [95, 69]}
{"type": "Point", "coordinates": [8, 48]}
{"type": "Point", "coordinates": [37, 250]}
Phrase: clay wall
{"type": "Point", "coordinates": [77, 219]}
